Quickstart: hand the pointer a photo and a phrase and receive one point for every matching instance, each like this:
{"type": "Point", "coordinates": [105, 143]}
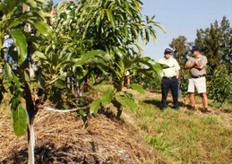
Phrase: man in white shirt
{"type": "Point", "coordinates": [169, 78]}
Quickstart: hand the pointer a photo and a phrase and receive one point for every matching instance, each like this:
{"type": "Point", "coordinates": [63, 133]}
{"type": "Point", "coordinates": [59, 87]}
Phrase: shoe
{"type": "Point", "coordinates": [162, 108]}
{"type": "Point", "coordinates": [176, 108]}
{"type": "Point", "coordinates": [205, 110]}
{"type": "Point", "coordinates": [191, 108]}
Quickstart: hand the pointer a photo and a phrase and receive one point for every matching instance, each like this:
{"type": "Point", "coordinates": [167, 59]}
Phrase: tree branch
{"type": "Point", "coordinates": [48, 108]}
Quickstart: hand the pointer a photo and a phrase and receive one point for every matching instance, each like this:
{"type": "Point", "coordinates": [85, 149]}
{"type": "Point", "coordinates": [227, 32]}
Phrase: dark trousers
{"type": "Point", "coordinates": [169, 83]}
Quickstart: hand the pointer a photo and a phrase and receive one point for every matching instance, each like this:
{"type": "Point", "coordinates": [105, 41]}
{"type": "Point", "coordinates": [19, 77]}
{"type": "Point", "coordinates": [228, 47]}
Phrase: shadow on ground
{"type": "Point", "coordinates": [157, 103]}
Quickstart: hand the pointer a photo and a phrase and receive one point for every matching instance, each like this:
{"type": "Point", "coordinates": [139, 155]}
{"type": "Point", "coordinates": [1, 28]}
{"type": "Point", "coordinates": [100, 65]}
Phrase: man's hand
{"type": "Point", "coordinates": [198, 64]}
{"type": "Point", "coordinates": [190, 64]}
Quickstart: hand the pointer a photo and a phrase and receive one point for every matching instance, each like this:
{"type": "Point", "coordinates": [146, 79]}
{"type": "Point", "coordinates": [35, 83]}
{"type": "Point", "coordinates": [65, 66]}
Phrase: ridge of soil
{"type": "Point", "coordinates": [61, 138]}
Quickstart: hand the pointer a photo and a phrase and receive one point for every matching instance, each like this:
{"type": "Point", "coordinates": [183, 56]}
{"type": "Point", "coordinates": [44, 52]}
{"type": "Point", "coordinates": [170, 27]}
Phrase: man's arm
{"type": "Point", "coordinates": [189, 64]}
{"type": "Point", "coordinates": [200, 63]}
{"type": "Point", "coordinates": [199, 66]}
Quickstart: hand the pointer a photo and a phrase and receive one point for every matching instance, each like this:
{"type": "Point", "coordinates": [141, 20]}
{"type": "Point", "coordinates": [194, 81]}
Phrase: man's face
{"type": "Point", "coordinates": [195, 53]}
{"type": "Point", "coordinates": [167, 56]}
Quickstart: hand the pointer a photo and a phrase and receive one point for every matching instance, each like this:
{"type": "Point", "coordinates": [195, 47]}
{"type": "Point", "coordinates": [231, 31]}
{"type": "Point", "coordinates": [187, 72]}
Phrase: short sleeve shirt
{"type": "Point", "coordinates": [202, 60]}
{"type": "Point", "coordinates": [172, 67]}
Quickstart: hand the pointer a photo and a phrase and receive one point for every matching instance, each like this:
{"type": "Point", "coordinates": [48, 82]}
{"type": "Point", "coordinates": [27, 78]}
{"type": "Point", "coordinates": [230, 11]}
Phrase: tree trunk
{"type": "Point", "coordinates": [31, 140]}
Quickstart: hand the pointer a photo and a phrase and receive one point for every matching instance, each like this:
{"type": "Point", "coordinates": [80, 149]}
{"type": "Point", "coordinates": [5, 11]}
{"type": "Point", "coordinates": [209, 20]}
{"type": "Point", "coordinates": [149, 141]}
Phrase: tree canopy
{"type": "Point", "coordinates": [216, 43]}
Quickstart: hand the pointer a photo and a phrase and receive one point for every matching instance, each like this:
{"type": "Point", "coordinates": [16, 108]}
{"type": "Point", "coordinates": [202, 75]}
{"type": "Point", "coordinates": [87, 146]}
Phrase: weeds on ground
{"type": "Point", "coordinates": [185, 136]}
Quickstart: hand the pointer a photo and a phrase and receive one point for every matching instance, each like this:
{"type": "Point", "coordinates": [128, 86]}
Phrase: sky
{"type": "Point", "coordinates": [181, 17]}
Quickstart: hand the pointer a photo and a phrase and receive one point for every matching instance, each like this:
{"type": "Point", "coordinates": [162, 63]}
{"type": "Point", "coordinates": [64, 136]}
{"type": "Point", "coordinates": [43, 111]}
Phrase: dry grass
{"type": "Point", "coordinates": [149, 136]}
{"type": "Point", "coordinates": [61, 138]}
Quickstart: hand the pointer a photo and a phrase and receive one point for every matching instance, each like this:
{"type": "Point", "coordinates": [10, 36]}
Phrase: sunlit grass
{"type": "Point", "coordinates": [185, 136]}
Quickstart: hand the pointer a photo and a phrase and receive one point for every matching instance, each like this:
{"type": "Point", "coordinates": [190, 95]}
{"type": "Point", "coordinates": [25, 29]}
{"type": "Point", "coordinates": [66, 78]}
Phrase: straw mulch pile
{"type": "Point", "coordinates": [61, 138]}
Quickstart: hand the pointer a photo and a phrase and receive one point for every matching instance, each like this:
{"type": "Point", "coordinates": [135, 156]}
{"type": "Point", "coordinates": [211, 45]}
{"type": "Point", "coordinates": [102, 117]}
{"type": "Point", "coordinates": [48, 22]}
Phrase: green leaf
{"type": "Point", "coordinates": [85, 57]}
{"type": "Point", "coordinates": [118, 52]}
{"type": "Point", "coordinates": [138, 88]}
{"type": "Point", "coordinates": [110, 18]}
{"type": "Point", "coordinates": [102, 13]}
{"type": "Point", "coordinates": [19, 120]}
{"type": "Point", "coordinates": [42, 2]}
{"type": "Point", "coordinates": [119, 2]}
{"type": "Point", "coordinates": [60, 84]}
{"type": "Point", "coordinates": [147, 36]}
{"type": "Point", "coordinates": [31, 3]}
{"type": "Point", "coordinates": [164, 66]}
{"type": "Point", "coordinates": [94, 106]}
{"type": "Point", "coordinates": [8, 72]}
{"type": "Point", "coordinates": [84, 118]}
{"type": "Point", "coordinates": [42, 27]}
{"type": "Point", "coordinates": [21, 44]}
{"type": "Point", "coordinates": [15, 23]}
{"type": "Point", "coordinates": [40, 55]}
{"type": "Point", "coordinates": [107, 97]}
{"type": "Point", "coordinates": [128, 101]}
{"type": "Point", "coordinates": [82, 113]}
{"type": "Point", "coordinates": [9, 5]}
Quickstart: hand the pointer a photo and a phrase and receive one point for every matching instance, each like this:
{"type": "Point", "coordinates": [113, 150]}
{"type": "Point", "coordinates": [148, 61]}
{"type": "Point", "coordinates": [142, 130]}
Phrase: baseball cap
{"type": "Point", "coordinates": [167, 51]}
{"type": "Point", "coordinates": [195, 48]}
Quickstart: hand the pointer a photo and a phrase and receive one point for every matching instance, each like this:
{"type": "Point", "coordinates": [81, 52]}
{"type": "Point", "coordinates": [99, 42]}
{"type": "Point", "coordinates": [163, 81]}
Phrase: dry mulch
{"type": "Point", "coordinates": [61, 138]}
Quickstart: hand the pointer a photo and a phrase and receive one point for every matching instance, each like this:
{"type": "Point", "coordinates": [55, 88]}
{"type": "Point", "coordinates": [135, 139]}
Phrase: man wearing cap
{"type": "Point", "coordinates": [169, 78]}
{"type": "Point", "coordinates": [197, 69]}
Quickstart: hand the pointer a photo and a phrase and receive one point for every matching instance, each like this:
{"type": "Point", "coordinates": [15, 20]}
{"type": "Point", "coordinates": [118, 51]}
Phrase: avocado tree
{"type": "Point", "coordinates": [89, 41]}
{"type": "Point", "coordinates": [220, 87]}
{"type": "Point", "coordinates": [16, 47]}
{"type": "Point", "coordinates": [114, 27]}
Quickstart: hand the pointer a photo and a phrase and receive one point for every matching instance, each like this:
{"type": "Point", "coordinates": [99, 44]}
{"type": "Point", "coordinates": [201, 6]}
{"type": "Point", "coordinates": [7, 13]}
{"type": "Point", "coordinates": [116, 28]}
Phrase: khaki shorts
{"type": "Point", "coordinates": [198, 83]}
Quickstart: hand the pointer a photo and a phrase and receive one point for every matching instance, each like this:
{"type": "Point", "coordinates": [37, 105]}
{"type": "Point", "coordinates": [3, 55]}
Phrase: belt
{"type": "Point", "coordinates": [169, 77]}
{"type": "Point", "coordinates": [197, 76]}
